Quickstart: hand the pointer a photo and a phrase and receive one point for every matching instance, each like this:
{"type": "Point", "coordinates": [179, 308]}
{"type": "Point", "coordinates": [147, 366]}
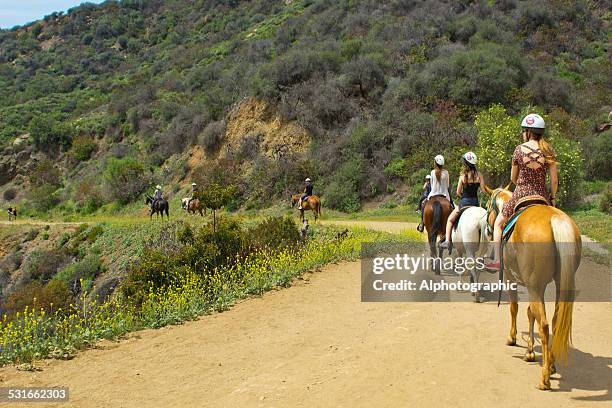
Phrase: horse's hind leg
{"type": "Point", "coordinates": [511, 341]}
{"type": "Point", "coordinates": [530, 353]}
{"type": "Point", "coordinates": [539, 310]}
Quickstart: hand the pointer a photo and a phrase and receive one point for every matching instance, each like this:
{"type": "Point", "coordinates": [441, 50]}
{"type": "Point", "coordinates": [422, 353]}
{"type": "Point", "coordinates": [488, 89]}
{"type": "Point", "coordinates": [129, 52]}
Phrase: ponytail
{"type": "Point", "coordinates": [438, 172]}
{"type": "Point", "coordinates": [545, 147]}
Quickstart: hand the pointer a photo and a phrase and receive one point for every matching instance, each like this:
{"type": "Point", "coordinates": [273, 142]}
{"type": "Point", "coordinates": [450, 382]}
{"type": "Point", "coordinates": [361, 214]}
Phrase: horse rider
{"type": "Point", "coordinates": [307, 192]}
{"type": "Point", "coordinates": [467, 191]}
{"type": "Point", "coordinates": [440, 181]}
{"type": "Point", "coordinates": [195, 193]}
{"type": "Point", "coordinates": [157, 196]}
{"type": "Point", "coordinates": [531, 162]}
{"type": "Point", "coordinates": [426, 190]}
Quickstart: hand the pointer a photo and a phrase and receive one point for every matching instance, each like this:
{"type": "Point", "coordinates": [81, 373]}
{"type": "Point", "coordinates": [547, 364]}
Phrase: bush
{"type": "Point", "coordinates": [125, 179]}
{"type": "Point", "coordinates": [606, 200]}
{"type": "Point", "coordinates": [274, 233]}
{"type": "Point", "coordinates": [44, 198]}
{"type": "Point", "coordinates": [85, 271]}
{"type": "Point", "coordinates": [52, 297]}
{"type": "Point", "coordinates": [598, 156]}
{"type": "Point", "coordinates": [342, 196]}
{"type": "Point", "coordinates": [9, 194]}
{"type": "Point", "coordinates": [211, 136]}
{"type": "Point", "coordinates": [82, 148]}
{"type": "Point", "coordinates": [45, 173]}
{"type": "Point", "coordinates": [41, 265]}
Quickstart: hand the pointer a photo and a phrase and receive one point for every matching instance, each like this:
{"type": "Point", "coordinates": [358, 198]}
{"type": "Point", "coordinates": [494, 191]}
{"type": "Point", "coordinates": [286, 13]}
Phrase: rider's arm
{"type": "Point", "coordinates": [554, 180]}
{"type": "Point", "coordinates": [514, 173]}
{"type": "Point", "coordinates": [459, 186]}
{"type": "Point", "coordinates": [483, 184]}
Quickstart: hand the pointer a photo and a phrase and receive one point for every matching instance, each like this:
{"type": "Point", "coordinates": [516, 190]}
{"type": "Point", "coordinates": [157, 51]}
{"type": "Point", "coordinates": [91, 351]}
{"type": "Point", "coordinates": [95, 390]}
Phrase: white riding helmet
{"type": "Point", "coordinates": [470, 157]}
{"type": "Point", "coordinates": [439, 159]}
{"type": "Point", "coordinates": [533, 121]}
{"type": "Point", "coordinates": [158, 187]}
{"type": "Point", "coordinates": [307, 180]}
{"type": "Point", "coordinates": [193, 184]}
{"type": "Point", "coordinates": [428, 177]}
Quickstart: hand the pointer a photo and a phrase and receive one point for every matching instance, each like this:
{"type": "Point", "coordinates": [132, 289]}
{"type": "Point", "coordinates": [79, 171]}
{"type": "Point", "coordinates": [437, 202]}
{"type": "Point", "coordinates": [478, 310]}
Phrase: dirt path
{"type": "Point", "coordinates": [317, 345]}
{"type": "Point", "coordinates": [387, 226]}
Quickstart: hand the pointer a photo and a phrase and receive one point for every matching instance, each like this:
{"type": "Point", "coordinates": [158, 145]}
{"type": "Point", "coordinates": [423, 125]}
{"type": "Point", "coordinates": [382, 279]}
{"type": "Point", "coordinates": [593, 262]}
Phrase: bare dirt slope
{"type": "Point", "coordinates": [317, 345]}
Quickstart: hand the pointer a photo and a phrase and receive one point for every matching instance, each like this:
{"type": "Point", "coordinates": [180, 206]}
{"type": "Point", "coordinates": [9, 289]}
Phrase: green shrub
{"type": "Point", "coordinates": [82, 148]}
{"type": "Point", "coordinates": [606, 200]}
{"type": "Point", "coordinates": [85, 271]}
{"type": "Point", "coordinates": [342, 196]}
{"type": "Point", "coordinates": [125, 179]}
{"type": "Point", "coordinates": [42, 265]}
{"type": "Point", "coordinates": [274, 232]}
{"type": "Point", "coordinates": [51, 297]}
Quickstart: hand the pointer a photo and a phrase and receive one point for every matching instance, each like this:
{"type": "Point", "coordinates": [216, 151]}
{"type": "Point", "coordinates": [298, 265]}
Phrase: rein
{"type": "Point", "coordinates": [495, 208]}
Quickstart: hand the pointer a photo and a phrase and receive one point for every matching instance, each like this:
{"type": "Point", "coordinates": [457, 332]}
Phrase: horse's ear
{"type": "Point", "coordinates": [488, 190]}
{"type": "Point", "coordinates": [507, 186]}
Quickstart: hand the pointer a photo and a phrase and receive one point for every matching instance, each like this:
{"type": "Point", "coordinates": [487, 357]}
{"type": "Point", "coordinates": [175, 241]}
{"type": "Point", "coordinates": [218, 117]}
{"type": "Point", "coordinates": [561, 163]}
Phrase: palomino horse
{"type": "Point", "coordinates": [158, 207]}
{"type": "Point", "coordinates": [470, 239]}
{"type": "Point", "coordinates": [435, 213]}
{"type": "Point", "coordinates": [192, 206]}
{"type": "Point", "coordinates": [544, 246]}
{"type": "Point", "coordinates": [311, 203]}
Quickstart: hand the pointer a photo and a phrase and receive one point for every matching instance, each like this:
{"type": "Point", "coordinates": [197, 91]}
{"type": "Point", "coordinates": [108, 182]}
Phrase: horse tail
{"type": "Point", "coordinates": [435, 219]}
{"type": "Point", "coordinates": [569, 247]}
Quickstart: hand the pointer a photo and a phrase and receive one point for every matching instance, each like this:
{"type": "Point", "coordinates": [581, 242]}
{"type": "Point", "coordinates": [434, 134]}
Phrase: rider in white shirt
{"type": "Point", "coordinates": [440, 181]}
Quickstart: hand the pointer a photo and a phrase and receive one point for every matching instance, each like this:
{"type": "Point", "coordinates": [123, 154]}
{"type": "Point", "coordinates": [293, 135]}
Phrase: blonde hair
{"type": "Point", "coordinates": [545, 147]}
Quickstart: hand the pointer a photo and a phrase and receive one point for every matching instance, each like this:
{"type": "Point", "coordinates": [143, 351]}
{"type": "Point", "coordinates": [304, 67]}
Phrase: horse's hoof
{"type": "Point", "coordinates": [478, 299]}
{"type": "Point", "coordinates": [529, 357]}
{"type": "Point", "coordinates": [510, 341]}
{"type": "Point", "coordinates": [544, 386]}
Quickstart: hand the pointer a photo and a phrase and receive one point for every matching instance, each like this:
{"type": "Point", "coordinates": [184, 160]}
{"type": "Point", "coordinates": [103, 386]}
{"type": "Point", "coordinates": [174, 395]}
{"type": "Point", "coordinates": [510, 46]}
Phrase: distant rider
{"type": "Point", "coordinates": [426, 190]}
{"type": "Point", "coordinates": [440, 182]}
{"type": "Point", "coordinates": [157, 196]}
{"type": "Point", "coordinates": [467, 190]}
{"type": "Point", "coordinates": [195, 193]}
{"type": "Point", "coordinates": [307, 192]}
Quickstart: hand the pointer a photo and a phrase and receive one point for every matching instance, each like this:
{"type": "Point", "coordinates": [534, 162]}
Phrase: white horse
{"type": "Point", "coordinates": [470, 240]}
{"type": "Point", "coordinates": [184, 203]}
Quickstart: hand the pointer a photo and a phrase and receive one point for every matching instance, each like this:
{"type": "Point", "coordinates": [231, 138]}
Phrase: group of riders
{"type": "Point", "coordinates": [531, 162]}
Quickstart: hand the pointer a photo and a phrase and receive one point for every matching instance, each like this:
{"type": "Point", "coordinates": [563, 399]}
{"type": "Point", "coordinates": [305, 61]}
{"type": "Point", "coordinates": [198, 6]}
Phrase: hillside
{"type": "Point", "coordinates": [358, 95]}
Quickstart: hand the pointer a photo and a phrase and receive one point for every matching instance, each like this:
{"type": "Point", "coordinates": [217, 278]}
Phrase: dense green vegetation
{"type": "Point", "coordinates": [381, 86]}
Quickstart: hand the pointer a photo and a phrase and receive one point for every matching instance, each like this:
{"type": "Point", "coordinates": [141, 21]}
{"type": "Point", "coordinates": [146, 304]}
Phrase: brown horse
{"type": "Point", "coordinates": [311, 203]}
{"type": "Point", "coordinates": [193, 206]}
{"type": "Point", "coordinates": [545, 245]}
{"type": "Point", "coordinates": [435, 213]}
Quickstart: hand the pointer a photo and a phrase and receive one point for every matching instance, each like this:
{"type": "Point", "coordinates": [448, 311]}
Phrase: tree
{"type": "Point", "coordinates": [215, 196]}
{"type": "Point", "coordinates": [498, 135]}
{"type": "Point", "coordinates": [125, 179]}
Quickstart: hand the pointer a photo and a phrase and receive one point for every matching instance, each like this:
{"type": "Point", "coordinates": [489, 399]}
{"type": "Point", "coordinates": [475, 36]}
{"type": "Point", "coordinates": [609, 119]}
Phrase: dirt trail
{"type": "Point", "coordinates": [316, 344]}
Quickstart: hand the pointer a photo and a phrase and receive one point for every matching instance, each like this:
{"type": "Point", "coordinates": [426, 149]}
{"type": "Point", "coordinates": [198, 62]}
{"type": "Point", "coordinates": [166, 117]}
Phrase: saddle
{"type": "Point", "coordinates": [520, 206]}
{"type": "Point", "coordinates": [459, 215]}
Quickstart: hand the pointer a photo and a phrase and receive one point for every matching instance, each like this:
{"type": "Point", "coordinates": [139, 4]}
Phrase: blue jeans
{"type": "Point", "coordinates": [467, 201]}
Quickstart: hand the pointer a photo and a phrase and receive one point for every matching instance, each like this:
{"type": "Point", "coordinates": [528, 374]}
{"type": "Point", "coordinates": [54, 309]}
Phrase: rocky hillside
{"type": "Point", "coordinates": [102, 102]}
